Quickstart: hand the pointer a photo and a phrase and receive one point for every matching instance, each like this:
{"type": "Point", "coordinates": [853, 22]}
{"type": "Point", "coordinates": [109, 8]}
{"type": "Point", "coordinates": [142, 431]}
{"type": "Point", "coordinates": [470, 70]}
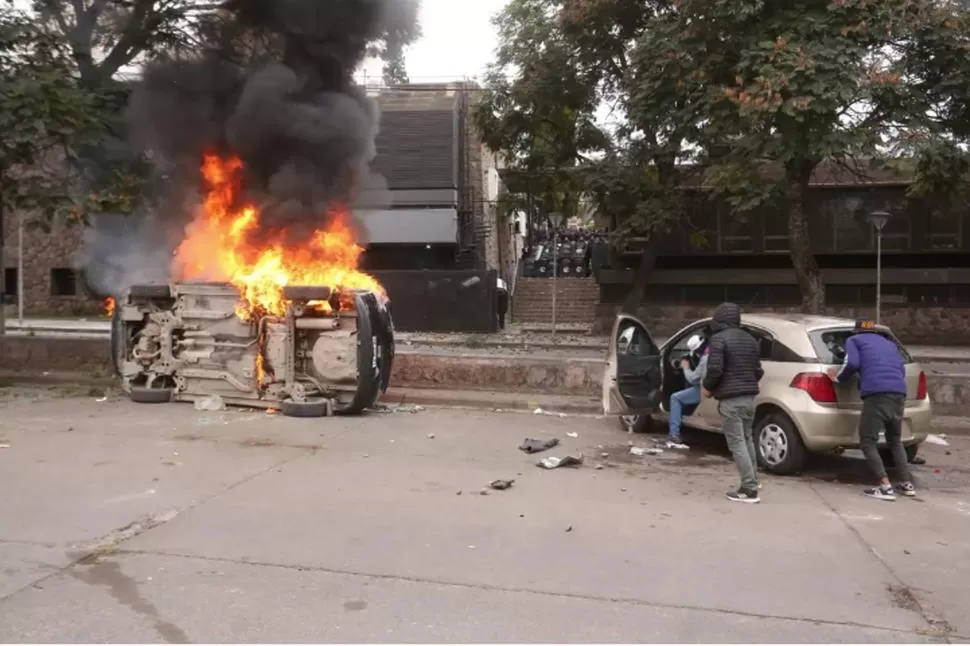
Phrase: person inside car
{"type": "Point", "coordinates": [733, 372]}
{"type": "Point", "coordinates": [882, 387]}
{"type": "Point", "coordinates": [694, 367]}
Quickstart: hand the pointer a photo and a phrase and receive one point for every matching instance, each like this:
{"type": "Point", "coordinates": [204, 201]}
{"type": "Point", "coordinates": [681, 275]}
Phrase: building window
{"type": "Point", "coordinates": [734, 231]}
{"type": "Point", "coordinates": [775, 220]}
{"type": "Point", "coordinates": [10, 281]}
{"type": "Point", "coordinates": [943, 230]}
{"type": "Point", "coordinates": [63, 282]}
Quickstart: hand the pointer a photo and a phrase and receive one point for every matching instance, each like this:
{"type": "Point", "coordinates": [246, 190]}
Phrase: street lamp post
{"type": "Point", "coordinates": [878, 220]}
{"type": "Point", "coordinates": [555, 219]}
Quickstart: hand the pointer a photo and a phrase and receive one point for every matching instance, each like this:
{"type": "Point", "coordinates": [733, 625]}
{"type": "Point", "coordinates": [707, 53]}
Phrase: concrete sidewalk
{"type": "Point", "coordinates": [171, 525]}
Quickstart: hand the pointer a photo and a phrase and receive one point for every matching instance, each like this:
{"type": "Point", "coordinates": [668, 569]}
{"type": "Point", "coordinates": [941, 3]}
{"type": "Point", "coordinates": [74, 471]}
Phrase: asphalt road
{"type": "Point", "coordinates": [121, 523]}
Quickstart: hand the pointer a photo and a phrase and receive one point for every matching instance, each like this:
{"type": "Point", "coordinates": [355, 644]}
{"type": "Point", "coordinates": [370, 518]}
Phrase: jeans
{"type": "Point", "coordinates": [738, 414]}
{"type": "Point", "coordinates": [687, 397]}
{"type": "Point", "coordinates": [883, 412]}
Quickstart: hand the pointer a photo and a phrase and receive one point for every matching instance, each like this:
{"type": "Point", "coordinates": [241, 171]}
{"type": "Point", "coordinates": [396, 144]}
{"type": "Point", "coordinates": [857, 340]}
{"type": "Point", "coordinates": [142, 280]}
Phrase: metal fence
{"type": "Point", "coordinates": [442, 300]}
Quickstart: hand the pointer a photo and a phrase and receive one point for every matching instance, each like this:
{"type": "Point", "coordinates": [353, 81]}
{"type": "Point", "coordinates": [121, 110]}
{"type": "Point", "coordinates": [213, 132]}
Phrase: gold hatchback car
{"type": "Point", "coordinates": [799, 411]}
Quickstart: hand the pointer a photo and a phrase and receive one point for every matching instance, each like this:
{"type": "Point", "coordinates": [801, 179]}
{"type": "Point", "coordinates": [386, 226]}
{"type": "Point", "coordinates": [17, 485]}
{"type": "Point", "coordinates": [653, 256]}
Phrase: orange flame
{"type": "Point", "coordinates": [109, 306]}
{"type": "Point", "coordinates": [220, 245]}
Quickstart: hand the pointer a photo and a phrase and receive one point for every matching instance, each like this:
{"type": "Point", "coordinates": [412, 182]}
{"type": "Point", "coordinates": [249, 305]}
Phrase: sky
{"type": "Point", "coordinates": [458, 41]}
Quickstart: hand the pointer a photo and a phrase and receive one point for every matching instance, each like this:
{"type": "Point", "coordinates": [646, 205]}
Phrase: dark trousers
{"type": "Point", "coordinates": [503, 307]}
{"type": "Point", "coordinates": [883, 412]}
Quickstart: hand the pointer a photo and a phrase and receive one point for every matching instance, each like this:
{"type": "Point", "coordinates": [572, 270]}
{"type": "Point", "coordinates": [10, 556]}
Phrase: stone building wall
{"type": "Point", "coordinates": [52, 284]}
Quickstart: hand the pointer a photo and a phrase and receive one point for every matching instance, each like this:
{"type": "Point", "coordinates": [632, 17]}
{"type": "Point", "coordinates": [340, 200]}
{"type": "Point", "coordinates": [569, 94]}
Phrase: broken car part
{"type": "Point", "coordinates": [331, 352]}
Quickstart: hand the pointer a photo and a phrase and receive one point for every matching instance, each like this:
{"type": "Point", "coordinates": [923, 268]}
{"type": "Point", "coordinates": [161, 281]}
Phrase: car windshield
{"type": "Point", "coordinates": [830, 344]}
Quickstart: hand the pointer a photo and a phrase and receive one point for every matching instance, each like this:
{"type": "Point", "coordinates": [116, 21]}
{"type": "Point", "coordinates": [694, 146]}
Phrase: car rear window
{"type": "Point", "coordinates": [830, 345]}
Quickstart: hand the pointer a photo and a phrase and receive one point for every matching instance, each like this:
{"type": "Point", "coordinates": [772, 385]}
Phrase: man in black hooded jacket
{"type": "Point", "coordinates": [733, 372]}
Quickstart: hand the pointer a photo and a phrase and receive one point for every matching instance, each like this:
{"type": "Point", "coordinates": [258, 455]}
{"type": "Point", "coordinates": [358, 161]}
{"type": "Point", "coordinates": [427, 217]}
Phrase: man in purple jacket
{"type": "Point", "coordinates": [882, 386]}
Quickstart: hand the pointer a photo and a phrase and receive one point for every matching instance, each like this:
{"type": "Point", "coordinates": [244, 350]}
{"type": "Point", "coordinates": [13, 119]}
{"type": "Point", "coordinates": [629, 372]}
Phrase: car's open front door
{"type": "Point", "coordinates": [632, 380]}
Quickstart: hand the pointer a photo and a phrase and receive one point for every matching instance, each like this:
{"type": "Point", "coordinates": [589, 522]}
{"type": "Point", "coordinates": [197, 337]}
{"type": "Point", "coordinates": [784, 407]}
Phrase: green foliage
{"type": "Point", "coordinates": [44, 116]}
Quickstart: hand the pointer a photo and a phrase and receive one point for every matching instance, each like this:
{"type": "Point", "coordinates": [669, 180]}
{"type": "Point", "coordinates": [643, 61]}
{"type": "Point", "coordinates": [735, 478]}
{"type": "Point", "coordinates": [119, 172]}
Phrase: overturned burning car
{"type": "Point", "coordinates": [328, 350]}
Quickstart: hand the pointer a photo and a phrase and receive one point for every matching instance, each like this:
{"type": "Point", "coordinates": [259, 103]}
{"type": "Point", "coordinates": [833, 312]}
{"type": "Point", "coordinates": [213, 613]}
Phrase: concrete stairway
{"type": "Point", "coordinates": [576, 300]}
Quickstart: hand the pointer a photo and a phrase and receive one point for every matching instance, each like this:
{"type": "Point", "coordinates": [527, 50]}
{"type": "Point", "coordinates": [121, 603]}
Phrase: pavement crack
{"type": "Point", "coordinates": [901, 594]}
{"type": "Point", "coordinates": [113, 540]}
{"type": "Point", "coordinates": [523, 590]}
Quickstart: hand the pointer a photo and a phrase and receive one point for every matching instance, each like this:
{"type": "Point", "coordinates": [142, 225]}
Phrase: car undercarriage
{"type": "Point", "coordinates": [328, 350]}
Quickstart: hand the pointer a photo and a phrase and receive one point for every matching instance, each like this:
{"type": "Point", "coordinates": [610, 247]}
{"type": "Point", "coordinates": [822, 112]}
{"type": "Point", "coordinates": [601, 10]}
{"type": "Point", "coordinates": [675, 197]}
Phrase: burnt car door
{"type": "Point", "coordinates": [632, 381]}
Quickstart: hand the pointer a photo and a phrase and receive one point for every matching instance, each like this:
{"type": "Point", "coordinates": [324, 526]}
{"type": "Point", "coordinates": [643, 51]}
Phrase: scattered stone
{"type": "Point", "coordinates": [604, 455]}
{"type": "Point", "coordinates": [555, 463]}
{"type": "Point", "coordinates": [458, 493]}
{"type": "Point", "coordinates": [430, 436]}
{"type": "Point", "coordinates": [530, 445]}
{"type": "Point", "coordinates": [4, 445]}
{"type": "Point", "coordinates": [598, 467]}
{"type": "Point", "coordinates": [639, 451]}
{"type": "Point", "coordinates": [501, 485]}
{"type": "Point", "coordinates": [569, 529]}
{"type": "Point", "coordinates": [573, 435]}
{"type": "Point", "coordinates": [906, 552]}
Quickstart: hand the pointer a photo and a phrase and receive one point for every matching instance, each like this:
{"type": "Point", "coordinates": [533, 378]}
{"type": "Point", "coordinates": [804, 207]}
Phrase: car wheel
{"type": "Point", "coordinates": [779, 445]}
{"type": "Point", "coordinates": [142, 395]}
{"type": "Point", "coordinates": [889, 461]}
{"type": "Point", "coordinates": [636, 423]}
{"type": "Point", "coordinates": [312, 408]}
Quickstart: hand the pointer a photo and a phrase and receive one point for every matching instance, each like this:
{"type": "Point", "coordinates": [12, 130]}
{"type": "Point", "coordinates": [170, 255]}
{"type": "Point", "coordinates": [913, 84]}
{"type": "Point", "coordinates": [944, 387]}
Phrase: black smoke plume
{"type": "Point", "coordinates": [273, 86]}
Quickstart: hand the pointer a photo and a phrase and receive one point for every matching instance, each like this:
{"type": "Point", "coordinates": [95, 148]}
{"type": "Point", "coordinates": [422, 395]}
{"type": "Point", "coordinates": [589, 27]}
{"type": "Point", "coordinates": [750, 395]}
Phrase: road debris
{"type": "Point", "coordinates": [4, 445]}
{"type": "Point", "coordinates": [210, 403]}
{"type": "Point", "coordinates": [501, 485]}
{"type": "Point", "coordinates": [939, 440]}
{"type": "Point", "coordinates": [408, 408]}
{"type": "Point", "coordinates": [101, 399]}
{"type": "Point", "coordinates": [555, 463]}
{"type": "Point", "coordinates": [430, 436]}
{"type": "Point", "coordinates": [573, 435]}
{"type": "Point", "coordinates": [640, 451]}
{"type": "Point", "coordinates": [532, 445]}
{"type": "Point", "coordinates": [569, 529]}
{"type": "Point", "coordinates": [540, 411]}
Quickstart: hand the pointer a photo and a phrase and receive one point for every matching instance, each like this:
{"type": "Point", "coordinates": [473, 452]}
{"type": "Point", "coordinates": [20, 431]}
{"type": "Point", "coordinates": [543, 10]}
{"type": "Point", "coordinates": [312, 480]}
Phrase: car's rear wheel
{"type": "Point", "coordinates": [311, 408]}
{"type": "Point", "coordinates": [636, 423]}
{"type": "Point", "coordinates": [779, 445]}
{"type": "Point", "coordinates": [142, 395]}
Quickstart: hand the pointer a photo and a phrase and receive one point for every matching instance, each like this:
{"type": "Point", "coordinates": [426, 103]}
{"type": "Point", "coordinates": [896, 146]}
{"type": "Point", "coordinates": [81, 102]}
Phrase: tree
{"type": "Point", "coordinates": [560, 65]}
{"type": "Point", "coordinates": [538, 109]}
{"type": "Point", "coordinates": [44, 115]}
{"type": "Point", "coordinates": [756, 83]}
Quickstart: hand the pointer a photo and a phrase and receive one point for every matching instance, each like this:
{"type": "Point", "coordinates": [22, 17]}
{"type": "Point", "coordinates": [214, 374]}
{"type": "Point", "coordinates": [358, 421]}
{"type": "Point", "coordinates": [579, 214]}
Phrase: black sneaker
{"type": "Point", "coordinates": [882, 492]}
{"type": "Point", "coordinates": [743, 496]}
{"type": "Point", "coordinates": [906, 488]}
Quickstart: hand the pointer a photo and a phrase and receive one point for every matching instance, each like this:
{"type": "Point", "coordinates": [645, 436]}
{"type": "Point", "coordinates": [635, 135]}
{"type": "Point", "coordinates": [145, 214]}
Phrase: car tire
{"type": "Point", "coordinates": [889, 461]}
{"type": "Point", "coordinates": [142, 395]}
{"type": "Point", "coordinates": [312, 408]}
{"type": "Point", "coordinates": [307, 293]}
{"type": "Point", "coordinates": [779, 444]}
{"type": "Point", "coordinates": [636, 423]}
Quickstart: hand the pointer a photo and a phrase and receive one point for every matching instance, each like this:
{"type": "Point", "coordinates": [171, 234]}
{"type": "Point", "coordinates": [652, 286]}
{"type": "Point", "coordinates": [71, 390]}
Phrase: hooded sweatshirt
{"type": "Point", "coordinates": [734, 357]}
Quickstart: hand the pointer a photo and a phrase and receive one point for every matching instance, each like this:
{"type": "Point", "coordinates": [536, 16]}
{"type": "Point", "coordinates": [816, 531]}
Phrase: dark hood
{"type": "Point", "coordinates": [726, 315]}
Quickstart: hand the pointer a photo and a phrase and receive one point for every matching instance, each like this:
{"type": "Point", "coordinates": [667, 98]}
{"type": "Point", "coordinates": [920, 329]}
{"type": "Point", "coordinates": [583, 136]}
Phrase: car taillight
{"type": "Point", "coordinates": [818, 386]}
{"type": "Point", "coordinates": [921, 391]}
